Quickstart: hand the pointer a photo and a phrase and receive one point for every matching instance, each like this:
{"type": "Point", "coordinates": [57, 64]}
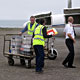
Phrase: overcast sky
{"type": "Point", "coordinates": [23, 9]}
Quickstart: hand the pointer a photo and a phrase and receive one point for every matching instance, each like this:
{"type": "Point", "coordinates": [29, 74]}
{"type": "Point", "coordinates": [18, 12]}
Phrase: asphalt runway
{"type": "Point", "coordinates": [53, 70]}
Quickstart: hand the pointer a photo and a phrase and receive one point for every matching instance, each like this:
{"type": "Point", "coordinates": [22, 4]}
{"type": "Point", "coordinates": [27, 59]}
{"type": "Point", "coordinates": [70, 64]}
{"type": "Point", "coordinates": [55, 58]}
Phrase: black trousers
{"type": "Point", "coordinates": [70, 58]}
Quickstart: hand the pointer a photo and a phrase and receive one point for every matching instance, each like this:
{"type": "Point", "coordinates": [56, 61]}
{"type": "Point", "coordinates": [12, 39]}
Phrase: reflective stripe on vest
{"type": "Point", "coordinates": [39, 34]}
{"type": "Point", "coordinates": [30, 31]}
{"type": "Point", "coordinates": [40, 39]}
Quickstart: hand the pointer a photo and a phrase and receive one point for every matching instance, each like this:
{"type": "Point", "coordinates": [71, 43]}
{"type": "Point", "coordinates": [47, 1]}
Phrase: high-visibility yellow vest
{"type": "Point", "coordinates": [38, 38]}
{"type": "Point", "coordinates": [31, 30]}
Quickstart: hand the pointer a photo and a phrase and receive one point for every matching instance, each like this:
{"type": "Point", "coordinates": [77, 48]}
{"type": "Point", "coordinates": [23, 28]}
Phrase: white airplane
{"type": "Point", "coordinates": [58, 21]}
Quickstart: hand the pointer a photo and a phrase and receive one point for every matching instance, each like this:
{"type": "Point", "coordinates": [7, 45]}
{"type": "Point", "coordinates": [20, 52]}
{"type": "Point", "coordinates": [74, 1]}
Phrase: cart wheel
{"type": "Point", "coordinates": [11, 62]}
{"type": "Point", "coordinates": [29, 63]}
{"type": "Point", "coordinates": [22, 61]}
{"type": "Point", "coordinates": [52, 56]}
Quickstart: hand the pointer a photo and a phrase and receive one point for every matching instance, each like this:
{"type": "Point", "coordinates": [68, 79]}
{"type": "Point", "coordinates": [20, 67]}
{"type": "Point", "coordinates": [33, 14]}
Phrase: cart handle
{"type": "Point", "coordinates": [10, 34]}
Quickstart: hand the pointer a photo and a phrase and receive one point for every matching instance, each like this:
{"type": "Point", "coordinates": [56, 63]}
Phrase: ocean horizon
{"type": "Point", "coordinates": [12, 23]}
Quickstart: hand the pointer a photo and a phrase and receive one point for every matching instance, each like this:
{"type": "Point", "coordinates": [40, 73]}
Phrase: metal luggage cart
{"type": "Point", "coordinates": [11, 56]}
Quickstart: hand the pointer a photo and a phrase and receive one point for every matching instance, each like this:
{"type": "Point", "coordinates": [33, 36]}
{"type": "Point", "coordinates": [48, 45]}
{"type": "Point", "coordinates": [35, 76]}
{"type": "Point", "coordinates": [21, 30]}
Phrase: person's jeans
{"type": "Point", "coordinates": [39, 51]}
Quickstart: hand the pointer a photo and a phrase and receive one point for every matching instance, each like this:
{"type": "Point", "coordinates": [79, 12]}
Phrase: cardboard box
{"type": "Point", "coordinates": [52, 31]}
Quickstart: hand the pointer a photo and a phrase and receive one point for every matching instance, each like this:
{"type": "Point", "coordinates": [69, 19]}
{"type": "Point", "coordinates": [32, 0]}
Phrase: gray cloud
{"type": "Point", "coordinates": [22, 9]}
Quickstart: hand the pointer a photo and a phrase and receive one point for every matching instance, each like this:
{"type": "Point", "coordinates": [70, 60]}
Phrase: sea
{"type": "Point", "coordinates": [12, 23]}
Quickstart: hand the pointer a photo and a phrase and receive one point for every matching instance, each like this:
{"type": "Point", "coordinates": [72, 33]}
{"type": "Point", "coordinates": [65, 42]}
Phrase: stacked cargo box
{"type": "Point", "coordinates": [26, 46]}
{"type": "Point", "coordinates": [16, 44]}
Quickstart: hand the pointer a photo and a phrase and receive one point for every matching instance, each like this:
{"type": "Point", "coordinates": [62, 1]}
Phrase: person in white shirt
{"type": "Point", "coordinates": [69, 40]}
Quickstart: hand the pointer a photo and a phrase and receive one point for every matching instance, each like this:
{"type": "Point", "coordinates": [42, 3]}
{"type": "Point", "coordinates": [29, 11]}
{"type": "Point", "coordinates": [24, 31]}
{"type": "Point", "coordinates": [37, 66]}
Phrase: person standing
{"type": "Point", "coordinates": [70, 40]}
{"type": "Point", "coordinates": [38, 43]}
{"type": "Point", "coordinates": [29, 26]}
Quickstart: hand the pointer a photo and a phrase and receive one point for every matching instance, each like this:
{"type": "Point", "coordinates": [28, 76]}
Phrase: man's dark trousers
{"type": "Point", "coordinates": [70, 58]}
{"type": "Point", "coordinates": [39, 51]}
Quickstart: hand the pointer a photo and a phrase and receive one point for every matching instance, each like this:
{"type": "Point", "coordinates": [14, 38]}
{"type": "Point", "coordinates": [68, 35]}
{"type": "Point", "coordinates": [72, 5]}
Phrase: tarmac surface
{"type": "Point", "coordinates": [53, 70]}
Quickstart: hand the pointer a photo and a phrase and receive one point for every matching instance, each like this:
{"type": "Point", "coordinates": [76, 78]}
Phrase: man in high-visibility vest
{"type": "Point", "coordinates": [38, 43]}
{"type": "Point", "coordinates": [29, 26]}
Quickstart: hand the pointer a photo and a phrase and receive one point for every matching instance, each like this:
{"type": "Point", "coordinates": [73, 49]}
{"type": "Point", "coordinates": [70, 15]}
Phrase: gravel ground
{"type": "Point", "coordinates": [53, 69]}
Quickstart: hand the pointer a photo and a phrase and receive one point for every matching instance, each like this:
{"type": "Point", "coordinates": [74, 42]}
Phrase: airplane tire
{"type": "Point", "coordinates": [52, 56]}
